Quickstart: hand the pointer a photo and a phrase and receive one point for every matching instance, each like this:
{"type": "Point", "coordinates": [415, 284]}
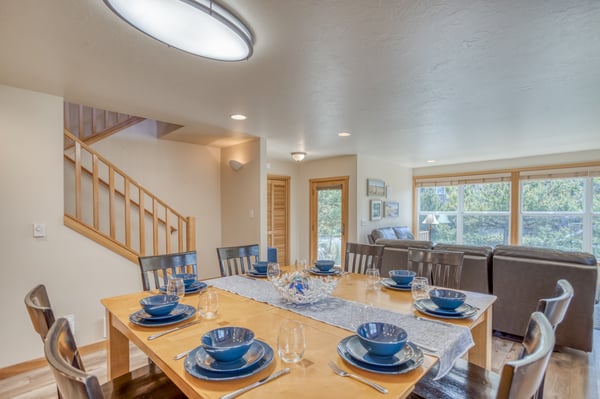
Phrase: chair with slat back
{"type": "Point", "coordinates": [419, 261]}
{"type": "Point", "coordinates": [446, 268]}
{"type": "Point", "coordinates": [157, 268]}
{"type": "Point", "coordinates": [519, 379]}
{"type": "Point", "coordinates": [40, 311]}
{"type": "Point", "coordinates": [237, 260]}
{"type": "Point", "coordinates": [555, 309]}
{"type": "Point", "coordinates": [360, 257]}
{"type": "Point", "coordinates": [73, 382]}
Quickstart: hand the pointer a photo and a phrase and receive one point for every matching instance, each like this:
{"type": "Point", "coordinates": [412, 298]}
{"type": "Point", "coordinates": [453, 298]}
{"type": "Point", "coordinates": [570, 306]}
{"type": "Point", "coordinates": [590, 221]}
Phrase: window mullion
{"type": "Point", "coordinates": [588, 202]}
{"type": "Point", "coordinates": [459, 214]}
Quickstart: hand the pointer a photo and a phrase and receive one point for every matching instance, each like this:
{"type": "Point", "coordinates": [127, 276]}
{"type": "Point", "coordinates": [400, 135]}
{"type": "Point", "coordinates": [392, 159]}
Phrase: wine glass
{"type": "Point", "coordinates": [419, 288]}
{"type": "Point", "coordinates": [176, 287]}
{"type": "Point", "coordinates": [291, 343]}
{"type": "Point", "coordinates": [273, 271]}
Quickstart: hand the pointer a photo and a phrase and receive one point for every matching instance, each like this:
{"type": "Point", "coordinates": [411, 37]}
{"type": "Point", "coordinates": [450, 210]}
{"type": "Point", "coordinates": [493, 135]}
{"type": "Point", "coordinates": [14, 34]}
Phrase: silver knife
{"type": "Point", "coordinates": [160, 334]}
{"type": "Point", "coordinates": [256, 384]}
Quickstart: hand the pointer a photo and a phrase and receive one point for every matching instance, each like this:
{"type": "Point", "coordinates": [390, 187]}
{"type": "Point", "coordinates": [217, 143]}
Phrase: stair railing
{"type": "Point", "coordinates": [108, 206]}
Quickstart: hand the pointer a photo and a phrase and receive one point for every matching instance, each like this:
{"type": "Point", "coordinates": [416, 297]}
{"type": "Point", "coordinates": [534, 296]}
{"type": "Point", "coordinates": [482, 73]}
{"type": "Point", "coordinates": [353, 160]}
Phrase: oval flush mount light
{"type": "Point", "coordinates": [200, 27]}
{"type": "Point", "coordinates": [298, 155]}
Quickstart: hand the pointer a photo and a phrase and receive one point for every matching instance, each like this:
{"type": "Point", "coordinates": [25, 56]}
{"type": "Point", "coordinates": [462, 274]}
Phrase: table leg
{"type": "Point", "coordinates": [117, 351]}
{"type": "Point", "coordinates": [481, 353]}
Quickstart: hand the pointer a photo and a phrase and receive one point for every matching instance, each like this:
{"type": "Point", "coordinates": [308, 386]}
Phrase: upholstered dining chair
{"type": "Point", "coordinates": [237, 260]}
{"type": "Point", "coordinates": [519, 378]}
{"type": "Point", "coordinates": [360, 257]}
{"type": "Point", "coordinates": [156, 269]}
{"type": "Point", "coordinates": [73, 382]}
{"type": "Point", "coordinates": [40, 311]}
{"type": "Point", "coordinates": [442, 268]}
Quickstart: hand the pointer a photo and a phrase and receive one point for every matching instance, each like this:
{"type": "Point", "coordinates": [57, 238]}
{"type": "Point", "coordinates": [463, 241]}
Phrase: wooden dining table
{"type": "Point", "coordinates": [311, 377]}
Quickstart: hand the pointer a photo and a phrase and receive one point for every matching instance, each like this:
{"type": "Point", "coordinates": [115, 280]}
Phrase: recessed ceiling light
{"type": "Point", "coordinates": [238, 117]}
{"type": "Point", "coordinates": [431, 161]}
{"type": "Point", "coordinates": [344, 134]}
{"type": "Point", "coordinates": [200, 27]}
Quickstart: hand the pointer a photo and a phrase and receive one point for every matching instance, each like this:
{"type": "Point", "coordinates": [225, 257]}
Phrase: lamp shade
{"type": "Point", "coordinates": [443, 219]}
{"type": "Point", "coordinates": [430, 219]}
{"type": "Point", "coordinates": [200, 27]}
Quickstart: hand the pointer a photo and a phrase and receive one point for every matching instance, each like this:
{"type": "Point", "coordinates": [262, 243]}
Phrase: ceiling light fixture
{"type": "Point", "coordinates": [238, 117]}
{"type": "Point", "coordinates": [200, 27]}
{"type": "Point", "coordinates": [344, 134]}
{"type": "Point", "coordinates": [298, 156]}
{"type": "Point", "coordinates": [235, 165]}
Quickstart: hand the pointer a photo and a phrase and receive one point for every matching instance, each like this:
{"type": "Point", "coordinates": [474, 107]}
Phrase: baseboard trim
{"type": "Point", "coordinates": [19, 368]}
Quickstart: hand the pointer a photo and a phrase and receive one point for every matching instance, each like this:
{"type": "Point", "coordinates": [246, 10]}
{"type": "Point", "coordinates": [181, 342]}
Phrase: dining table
{"type": "Point", "coordinates": [250, 302]}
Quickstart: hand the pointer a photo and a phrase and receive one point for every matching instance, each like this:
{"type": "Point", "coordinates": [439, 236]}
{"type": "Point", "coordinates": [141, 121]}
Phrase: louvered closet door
{"type": "Point", "coordinates": [278, 216]}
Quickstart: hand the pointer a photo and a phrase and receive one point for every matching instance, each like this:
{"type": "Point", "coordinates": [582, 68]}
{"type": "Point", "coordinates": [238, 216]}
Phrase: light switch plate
{"type": "Point", "coordinates": [39, 230]}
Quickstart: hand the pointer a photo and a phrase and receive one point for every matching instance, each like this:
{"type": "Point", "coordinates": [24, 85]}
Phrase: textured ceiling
{"type": "Point", "coordinates": [454, 81]}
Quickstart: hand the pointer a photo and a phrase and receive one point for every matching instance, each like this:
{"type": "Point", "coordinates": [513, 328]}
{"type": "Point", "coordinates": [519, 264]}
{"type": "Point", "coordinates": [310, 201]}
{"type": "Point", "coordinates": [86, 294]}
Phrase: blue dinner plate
{"type": "Point", "coordinates": [254, 273]}
{"type": "Point", "coordinates": [415, 362]}
{"type": "Point", "coordinates": [250, 358]}
{"type": "Point", "coordinates": [188, 312]}
{"type": "Point", "coordinates": [192, 367]}
{"type": "Point", "coordinates": [330, 272]}
{"type": "Point", "coordinates": [176, 312]}
{"type": "Point", "coordinates": [389, 283]}
{"type": "Point", "coordinates": [427, 306]}
{"type": "Point", "coordinates": [359, 352]}
{"type": "Point", "coordinates": [191, 289]}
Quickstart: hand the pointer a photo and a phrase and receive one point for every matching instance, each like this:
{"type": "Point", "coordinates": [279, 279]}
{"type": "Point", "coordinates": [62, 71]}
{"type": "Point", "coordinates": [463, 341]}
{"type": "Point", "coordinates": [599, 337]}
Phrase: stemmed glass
{"type": "Point", "coordinates": [273, 271]}
{"type": "Point", "coordinates": [419, 288]}
{"type": "Point", "coordinates": [176, 287]}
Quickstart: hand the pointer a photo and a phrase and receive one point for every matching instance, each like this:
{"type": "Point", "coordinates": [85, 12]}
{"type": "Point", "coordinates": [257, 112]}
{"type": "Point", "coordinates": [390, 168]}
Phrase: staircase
{"type": "Point", "coordinates": [105, 204]}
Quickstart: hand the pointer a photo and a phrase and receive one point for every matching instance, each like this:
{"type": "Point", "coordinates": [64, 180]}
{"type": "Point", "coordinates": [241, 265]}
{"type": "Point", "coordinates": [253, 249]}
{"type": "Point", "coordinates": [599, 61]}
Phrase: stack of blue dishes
{"type": "Point", "coordinates": [445, 303]}
{"type": "Point", "coordinates": [190, 280]}
{"type": "Point", "coordinates": [325, 267]}
{"type": "Point", "coordinates": [228, 353]}
{"type": "Point", "coordinates": [161, 310]}
{"type": "Point", "coordinates": [380, 348]}
{"type": "Point", "coordinates": [259, 269]}
{"type": "Point", "coordinates": [399, 280]}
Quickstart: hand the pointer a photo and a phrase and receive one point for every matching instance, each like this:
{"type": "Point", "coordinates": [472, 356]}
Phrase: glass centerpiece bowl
{"type": "Point", "coordinates": [300, 289]}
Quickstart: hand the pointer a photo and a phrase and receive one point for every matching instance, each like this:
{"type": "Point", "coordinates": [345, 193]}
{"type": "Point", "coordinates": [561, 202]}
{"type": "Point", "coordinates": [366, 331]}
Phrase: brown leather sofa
{"type": "Point", "coordinates": [519, 276]}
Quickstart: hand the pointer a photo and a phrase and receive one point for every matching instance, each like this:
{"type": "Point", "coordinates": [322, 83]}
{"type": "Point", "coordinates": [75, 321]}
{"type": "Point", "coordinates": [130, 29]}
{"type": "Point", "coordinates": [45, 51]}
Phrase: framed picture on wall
{"type": "Point", "coordinates": [376, 210]}
{"type": "Point", "coordinates": [391, 209]}
{"type": "Point", "coordinates": [375, 188]}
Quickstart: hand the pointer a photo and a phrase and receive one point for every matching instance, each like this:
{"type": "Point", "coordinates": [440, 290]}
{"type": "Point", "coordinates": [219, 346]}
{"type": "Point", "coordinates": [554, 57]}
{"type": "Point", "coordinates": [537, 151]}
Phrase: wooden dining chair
{"type": "Point", "coordinates": [360, 257]}
{"type": "Point", "coordinates": [442, 268]}
{"type": "Point", "coordinates": [157, 268]}
{"type": "Point", "coordinates": [74, 382]}
{"type": "Point", "coordinates": [40, 311]}
{"type": "Point", "coordinates": [519, 378]}
{"type": "Point", "coordinates": [237, 260]}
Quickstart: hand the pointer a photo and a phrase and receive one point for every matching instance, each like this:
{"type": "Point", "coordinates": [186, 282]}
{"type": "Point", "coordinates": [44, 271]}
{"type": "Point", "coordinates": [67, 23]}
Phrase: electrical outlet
{"type": "Point", "coordinates": [71, 319]}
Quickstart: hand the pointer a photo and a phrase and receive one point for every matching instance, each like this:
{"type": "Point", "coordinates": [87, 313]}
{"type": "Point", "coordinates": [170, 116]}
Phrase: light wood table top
{"type": "Point", "coordinates": [310, 378]}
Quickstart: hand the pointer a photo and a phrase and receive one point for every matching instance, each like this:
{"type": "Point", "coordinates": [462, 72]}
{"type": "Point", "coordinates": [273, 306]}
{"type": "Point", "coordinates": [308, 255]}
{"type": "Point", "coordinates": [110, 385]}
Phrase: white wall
{"type": "Point", "coordinates": [185, 176]}
{"type": "Point", "coordinates": [76, 271]}
{"type": "Point", "coordinates": [399, 180]}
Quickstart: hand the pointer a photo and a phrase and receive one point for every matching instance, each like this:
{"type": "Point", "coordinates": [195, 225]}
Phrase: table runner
{"type": "Point", "coordinates": [449, 342]}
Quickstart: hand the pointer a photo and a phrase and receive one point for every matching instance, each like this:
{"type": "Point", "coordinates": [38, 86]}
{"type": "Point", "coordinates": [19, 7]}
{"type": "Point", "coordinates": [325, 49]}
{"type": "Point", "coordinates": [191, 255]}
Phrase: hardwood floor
{"type": "Point", "coordinates": [571, 374]}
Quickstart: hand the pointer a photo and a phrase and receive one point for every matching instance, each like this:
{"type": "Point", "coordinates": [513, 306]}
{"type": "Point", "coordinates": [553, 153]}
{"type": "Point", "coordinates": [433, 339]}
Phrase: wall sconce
{"type": "Point", "coordinates": [235, 165]}
{"type": "Point", "coordinates": [298, 156]}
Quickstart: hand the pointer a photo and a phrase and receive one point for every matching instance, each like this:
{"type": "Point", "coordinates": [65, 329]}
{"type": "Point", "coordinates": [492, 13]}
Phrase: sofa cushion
{"type": "Point", "coordinates": [552, 255]}
{"type": "Point", "coordinates": [403, 233]}
{"type": "Point", "coordinates": [405, 244]}
{"type": "Point", "coordinates": [386, 233]}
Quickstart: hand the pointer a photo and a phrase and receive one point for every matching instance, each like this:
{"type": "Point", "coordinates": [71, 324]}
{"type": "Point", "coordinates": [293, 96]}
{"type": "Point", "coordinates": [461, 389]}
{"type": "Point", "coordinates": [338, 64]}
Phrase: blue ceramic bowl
{"type": "Point", "coordinates": [188, 278]}
{"type": "Point", "coordinates": [381, 339]}
{"type": "Point", "coordinates": [447, 299]}
{"type": "Point", "coordinates": [261, 266]}
{"type": "Point", "coordinates": [159, 305]}
{"type": "Point", "coordinates": [402, 277]}
{"type": "Point", "coordinates": [227, 344]}
{"type": "Point", "coordinates": [324, 265]}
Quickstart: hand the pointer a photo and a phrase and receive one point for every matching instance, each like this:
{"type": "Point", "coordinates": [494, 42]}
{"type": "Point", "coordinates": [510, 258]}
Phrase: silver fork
{"type": "Point", "coordinates": [343, 373]}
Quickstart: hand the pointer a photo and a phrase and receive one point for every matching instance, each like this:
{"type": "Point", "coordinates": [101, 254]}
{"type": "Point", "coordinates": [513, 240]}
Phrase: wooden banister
{"type": "Point", "coordinates": [116, 189]}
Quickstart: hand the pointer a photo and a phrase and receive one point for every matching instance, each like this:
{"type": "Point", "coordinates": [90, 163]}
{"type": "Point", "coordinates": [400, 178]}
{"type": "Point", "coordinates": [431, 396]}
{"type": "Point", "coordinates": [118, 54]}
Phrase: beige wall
{"type": "Point", "coordinates": [76, 271]}
{"type": "Point", "coordinates": [399, 180]}
{"type": "Point", "coordinates": [185, 176]}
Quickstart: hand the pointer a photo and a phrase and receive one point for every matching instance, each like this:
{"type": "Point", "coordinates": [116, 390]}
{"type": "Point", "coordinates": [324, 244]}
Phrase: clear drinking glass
{"type": "Point", "coordinates": [419, 288]}
{"type": "Point", "coordinates": [360, 313]}
{"type": "Point", "coordinates": [175, 286]}
{"type": "Point", "coordinates": [301, 265]}
{"type": "Point", "coordinates": [273, 271]}
{"type": "Point", "coordinates": [208, 304]}
{"type": "Point", "coordinates": [372, 277]}
{"type": "Point", "coordinates": [291, 343]}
